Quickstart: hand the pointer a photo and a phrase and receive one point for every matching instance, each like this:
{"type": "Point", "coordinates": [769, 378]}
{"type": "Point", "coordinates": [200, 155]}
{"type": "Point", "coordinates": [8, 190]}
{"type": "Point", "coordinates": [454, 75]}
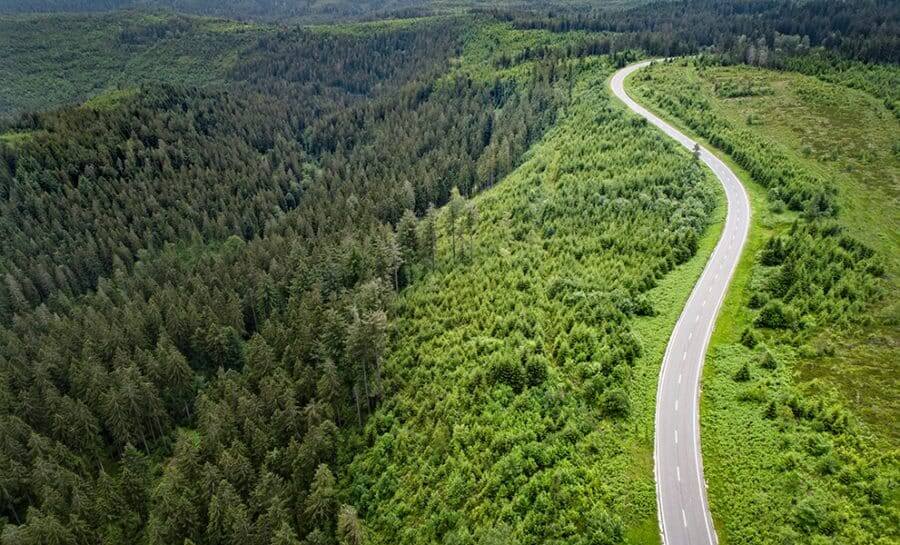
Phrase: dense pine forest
{"type": "Point", "coordinates": [409, 279]}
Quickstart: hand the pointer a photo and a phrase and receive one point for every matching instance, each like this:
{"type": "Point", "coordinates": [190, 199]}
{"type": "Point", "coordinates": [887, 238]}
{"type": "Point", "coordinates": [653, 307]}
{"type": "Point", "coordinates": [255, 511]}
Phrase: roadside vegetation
{"type": "Point", "coordinates": [799, 392]}
{"type": "Point", "coordinates": [519, 386]}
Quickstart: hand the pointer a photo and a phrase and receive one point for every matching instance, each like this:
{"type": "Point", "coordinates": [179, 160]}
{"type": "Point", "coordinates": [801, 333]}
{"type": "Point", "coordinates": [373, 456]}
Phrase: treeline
{"type": "Point", "coordinates": [269, 10]}
{"type": "Point", "coordinates": [868, 30]}
{"type": "Point", "coordinates": [190, 377]}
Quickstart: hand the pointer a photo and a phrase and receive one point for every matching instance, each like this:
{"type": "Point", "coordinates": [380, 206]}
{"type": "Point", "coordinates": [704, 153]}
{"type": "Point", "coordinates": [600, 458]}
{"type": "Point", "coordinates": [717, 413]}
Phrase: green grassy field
{"type": "Point", "coordinates": [775, 467]}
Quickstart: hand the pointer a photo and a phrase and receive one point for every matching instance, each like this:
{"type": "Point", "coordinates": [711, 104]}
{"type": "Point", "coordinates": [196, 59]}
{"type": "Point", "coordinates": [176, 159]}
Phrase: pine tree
{"type": "Point", "coordinates": [408, 241]}
{"type": "Point", "coordinates": [427, 236]}
{"type": "Point", "coordinates": [321, 503]}
{"type": "Point", "coordinates": [455, 210]}
{"type": "Point", "coordinates": [350, 529]}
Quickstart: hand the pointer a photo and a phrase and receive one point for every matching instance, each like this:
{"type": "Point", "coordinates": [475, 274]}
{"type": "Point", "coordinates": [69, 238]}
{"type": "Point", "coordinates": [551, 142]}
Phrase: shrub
{"type": "Point", "coordinates": [813, 515]}
{"type": "Point", "coordinates": [506, 370]}
{"type": "Point", "coordinates": [536, 370]}
{"type": "Point", "coordinates": [775, 315]}
{"type": "Point", "coordinates": [749, 338]}
{"type": "Point", "coordinates": [773, 253]}
{"type": "Point", "coordinates": [615, 403]}
{"type": "Point", "coordinates": [767, 360]}
{"type": "Point", "coordinates": [829, 465]}
{"type": "Point", "coordinates": [757, 300]}
{"type": "Point", "coordinates": [743, 374]}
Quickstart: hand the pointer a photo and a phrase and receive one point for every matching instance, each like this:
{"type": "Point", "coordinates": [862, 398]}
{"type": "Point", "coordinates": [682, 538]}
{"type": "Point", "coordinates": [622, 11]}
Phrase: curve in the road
{"type": "Point", "coordinates": [684, 516]}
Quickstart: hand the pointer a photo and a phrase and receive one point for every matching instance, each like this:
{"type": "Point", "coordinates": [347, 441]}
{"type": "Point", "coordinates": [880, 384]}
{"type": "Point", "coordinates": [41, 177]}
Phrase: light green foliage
{"type": "Point", "coordinates": [786, 459]}
{"type": "Point", "coordinates": [520, 394]}
{"type": "Point", "coordinates": [369, 27]}
{"type": "Point", "coordinates": [489, 48]}
{"type": "Point", "coordinates": [109, 99]}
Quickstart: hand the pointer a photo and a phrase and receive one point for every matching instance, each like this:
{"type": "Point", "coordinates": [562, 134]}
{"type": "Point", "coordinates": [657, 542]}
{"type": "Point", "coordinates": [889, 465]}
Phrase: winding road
{"type": "Point", "coordinates": [684, 516]}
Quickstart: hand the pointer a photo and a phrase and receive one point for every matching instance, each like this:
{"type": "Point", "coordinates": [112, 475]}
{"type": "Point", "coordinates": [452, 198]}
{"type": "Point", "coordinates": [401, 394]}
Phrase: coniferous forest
{"type": "Point", "coordinates": [350, 273]}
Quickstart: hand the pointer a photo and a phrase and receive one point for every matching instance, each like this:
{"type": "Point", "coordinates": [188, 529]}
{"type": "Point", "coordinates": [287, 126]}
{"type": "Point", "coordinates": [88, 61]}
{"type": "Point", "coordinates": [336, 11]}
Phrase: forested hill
{"type": "Point", "coordinates": [296, 10]}
{"type": "Point", "coordinates": [170, 143]}
{"type": "Point", "coordinates": [196, 282]}
{"type": "Point", "coordinates": [402, 281]}
{"type": "Point", "coordinates": [245, 9]}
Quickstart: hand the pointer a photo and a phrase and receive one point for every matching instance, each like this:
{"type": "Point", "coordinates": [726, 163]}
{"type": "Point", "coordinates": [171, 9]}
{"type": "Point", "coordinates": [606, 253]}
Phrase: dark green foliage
{"type": "Point", "coordinates": [213, 272]}
{"type": "Point", "coordinates": [170, 143]}
{"type": "Point", "coordinates": [509, 371]}
{"type": "Point", "coordinates": [757, 300]}
{"type": "Point", "coordinates": [749, 337]}
{"type": "Point", "coordinates": [55, 60]}
{"type": "Point", "coordinates": [767, 360]}
{"type": "Point", "coordinates": [743, 373]}
{"type": "Point", "coordinates": [615, 403]}
{"type": "Point", "coordinates": [535, 369]}
{"type": "Point", "coordinates": [313, 10]}
{"type": "Point", "coordinates": [773, 252]}
{"type": "Point", "coordinates": [775, 315]}
{"type": "Point", "coordinates": [760, 33]}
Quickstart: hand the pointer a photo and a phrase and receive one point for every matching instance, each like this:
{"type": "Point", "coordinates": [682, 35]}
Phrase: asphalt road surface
{"type": "Point", "coordinates": [684, 517]}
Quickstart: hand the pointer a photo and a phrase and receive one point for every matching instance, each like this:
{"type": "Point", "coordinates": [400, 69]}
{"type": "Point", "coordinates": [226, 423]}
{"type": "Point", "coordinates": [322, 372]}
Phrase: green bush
{"type": "Point", "coordinates": [536, 370]}
{"type": "Point", "coordinates": [775, 315]}
{"type": "Point", "coordinates": [507, 370]}
{"type": "Point", "coordinates": [743, 373]}
{"type": "Point", "coordinates": [767, 360]}
{"type": "Point", "coordinates": [749, 337]}
{"type": "Point", "coordinates": [615, 403]}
